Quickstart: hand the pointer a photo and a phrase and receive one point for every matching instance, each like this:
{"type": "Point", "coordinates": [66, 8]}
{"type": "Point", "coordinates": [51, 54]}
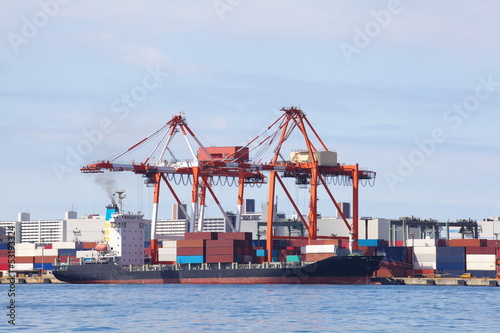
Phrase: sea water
{"type": "Point", "coordinates": [251, 308]}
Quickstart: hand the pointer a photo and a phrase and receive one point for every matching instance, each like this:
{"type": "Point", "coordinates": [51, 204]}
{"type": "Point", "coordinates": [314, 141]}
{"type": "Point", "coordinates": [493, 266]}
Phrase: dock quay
{"type": "Point", "coordinates": [435, 281]}
{"type": "Point", "coordinates": [36, 279]}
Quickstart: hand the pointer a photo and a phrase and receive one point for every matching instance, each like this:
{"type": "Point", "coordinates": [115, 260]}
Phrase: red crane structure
{"type": "Point", "coordinates": [315, 166]}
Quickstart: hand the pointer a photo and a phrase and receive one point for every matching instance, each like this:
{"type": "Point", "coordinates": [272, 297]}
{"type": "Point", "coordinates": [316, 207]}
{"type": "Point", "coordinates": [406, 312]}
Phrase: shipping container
{"type": "Point", "coordinates": [227, 243]}
{"type": "Point", "coordinates": [4, 260]}
{"type": "Point", "coordinates": [372, 242]}
{"type": "Point", "coordinates": [24, 260]}
{"type": "Point", "coordinates": [425, 265]}
{"type": "Point", "coordinates": [197, 259]}
{"type": "Point", "coordinates": [487, 258]}
{"type": "Point", "coordinates": [482, 274]}
{"type": "Point", "coordinates": [191, 243]}
{"type": "Point", "coordinates": [5, 253]}
{"type": "Point", "coordinates": [169, 244]}
{"type": "Point", "coordinates": [67, 252]}
{"type": "Point", "coordinates": [4, 267]}
{"type": "Point", "coordinates": [453, 266]}
{"type": "Point", "coordinates": [261, 253]}
{"type": "Point", "coordinates": [480, 266]}
{"type": "Point", "coordinates": [25, 246]}
{"type": "Point", "coordinates": [222, 258]}
{"type": "Point", "coordinates": [468, 242]}
{"type": "Point", "coordinates": [46, 267]}
{"type": "Point", "coordinates": [247, 236]}
{"type": "Point", "coordinates": [260, 243]}
{"type": "Point", "coordinates": [317, 256]}
{"type": "Point", "coordinates": [44, 259]}
{"type": "Point", "coordinates": [167, 250]}
{"type": "Point", "coordinates": [23, 267]}
{"type": "Point", "coordinates": [480, 250]}
{"type": "Point", "coordinates": [200, 235]}
{"type": "Point", "coordinates": [422, 242]}
{"type": "Point", "coordinates": [4, 246]}
{"type": "Point", "coordinates": [65, 245]}
{"type": "Point", "coordinates": [293, 258]}
{"type": "Point", "coordinates": [190, 251]}
{"type": "Point", "coordinates": [89, 245]}
{"type": "Point", "coordinates": [321, 249]}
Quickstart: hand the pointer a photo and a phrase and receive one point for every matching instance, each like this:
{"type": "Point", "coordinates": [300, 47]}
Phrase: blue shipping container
{"type": "Point", "coordinates": [394, 254]}
{"type": "Point", "coordinates": [443, 265]}
{"type": "Point", "coordinates": [46, 266]}
{"type": "Point", "coordinates": [458, 250]}
{"type": "Point", "coordinates": [67, 252]}
{"type": "Point", "coordinates": [4, 246]}
{"type": "Point", "coordinates": [486, 274]}
{"type": "Point", "coordinates": [450, 258]}
{"type": "Point", "coordinates": [259, 243]}
{"type": "Point", "coordinates": [190, 259]}
{"type": "Point", "coordinates": [368, 242]}
{"type": "Point", "coordinates": [261, 253]}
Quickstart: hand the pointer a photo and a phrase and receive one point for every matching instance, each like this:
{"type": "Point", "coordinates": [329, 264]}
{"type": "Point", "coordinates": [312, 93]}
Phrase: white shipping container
{"type": "Point", "coordinates": [480, 258]}
{"type": "Point", "coordinates": [25, 253]}
{"type": "Point", "coordinates": [87, 254]}
{"type": "Point", "coordinates": [480, 266]}
{"type": "Point", "coordinates": [167, 251]}
{"type": "Point", "coordinates": [167, 257]}
{"type": "Point", "coordinates": [321, 248]}
{"type": "Point", "coordinates": [169, 244]}
{"type": "Point", "coordinates": [25, 246]}
{"type": "Point", "coordinates": [23, 267]}
{"type": "Point", "coordinates": [425, 250]}
{"type": "Point", "coordinates": [425, 265]}
{"type": "Point", "coordinates": [424, 257]}
{"type": "Point", "coordinates": [64, 245]}
{"type": "Point", "coordinates": [46, 252]}
{"type": "Point", "coordinates": [421, 242]}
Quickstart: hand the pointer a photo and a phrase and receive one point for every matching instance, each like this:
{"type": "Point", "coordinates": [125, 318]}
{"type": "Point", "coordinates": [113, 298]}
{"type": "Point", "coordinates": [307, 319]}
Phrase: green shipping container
{"type": "Point", "coordinates": [293, 258]}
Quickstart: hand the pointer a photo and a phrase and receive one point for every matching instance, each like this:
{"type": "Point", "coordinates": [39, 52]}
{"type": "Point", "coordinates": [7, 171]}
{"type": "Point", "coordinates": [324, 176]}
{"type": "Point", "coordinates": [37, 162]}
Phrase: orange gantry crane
{"type": "Point", "coordinates": [312, 167]}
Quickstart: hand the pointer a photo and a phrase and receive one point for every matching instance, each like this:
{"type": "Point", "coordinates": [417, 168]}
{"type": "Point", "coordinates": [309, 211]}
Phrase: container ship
{"type": "Point", "coordinates": [209, 258]}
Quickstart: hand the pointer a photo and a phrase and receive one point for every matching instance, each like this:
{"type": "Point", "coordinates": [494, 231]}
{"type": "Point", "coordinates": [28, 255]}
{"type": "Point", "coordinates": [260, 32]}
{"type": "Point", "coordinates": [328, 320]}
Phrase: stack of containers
{"type": "Point", "coordinates": [319, 252]}
{"type": "Point", "coordinates": [450, 260]}
{"type": "Point", "coordinates": [25, 256]}
{"type": "Point", "coordinates": [191, 250]}
{"type": "Point", "coordinates": [481, 261]}
{"type": "Point", "coordinates": [45, 257]}
{"type": "Point", "coordinates": [4, 257]}
{"type": "Point", "coordinates": [66, 251]}
{"type": "Point", "coordinates": [261, 256]}
{"type": "Point", "coordinates": [230, 247]}
{"type": "Point", "coordinates": [168, 252]}
{"type": "Point", "coordinates": [424, 255]}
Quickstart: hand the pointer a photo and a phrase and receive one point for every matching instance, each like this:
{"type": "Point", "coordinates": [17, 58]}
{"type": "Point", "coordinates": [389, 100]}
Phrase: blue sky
{"type": "Point", "coordinates": [230, 66]}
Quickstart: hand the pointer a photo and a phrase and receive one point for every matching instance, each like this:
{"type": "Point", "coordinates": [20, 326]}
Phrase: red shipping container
{"type": "Point", "coordinates": [89, 245]}
{"type": "Point", "coordinates": [327, 242]}
{"type": "Point", "coordinates": [4, 260]}
{"type": "Point", "coordinates": [200, 235]}
{"type": "Point", "coordinates": [226, 243]}
{"type": "Point", "coordinates": [65, 259]}
{"type": "Point", "coordinates": [399, 243]}
{"type": "Point", "coordinates": [317, 256]}
{"type": "Point", "coordinates": [220, 258]}
{"type": "Point", "coordinates": [4, 267]}
{"type": "Point", "coordinates": [479, 250]}
{"type": "Point", "coordinates": [298, 242]}
{"type": "Point", "coordinates": [219, 250]}
{"type": "Point", "coordinates": [190, 251]}
{"type": "Point", "coordinates": [25, 260]}
{"type": "Point", "coordinates": [48, 247]}
{"type": "Point", "coordinates": [191, 243]}
{"type": "Point", "coordinates": [236, 235]}
{"type": "Point", "coordinates": [4, 253]}
{"type": "Point", "coordinates": [424, 271]}
{"type": "Point", "coordinates": [467, 242]}
{"type": "Point", "coordinates": [45, 259]}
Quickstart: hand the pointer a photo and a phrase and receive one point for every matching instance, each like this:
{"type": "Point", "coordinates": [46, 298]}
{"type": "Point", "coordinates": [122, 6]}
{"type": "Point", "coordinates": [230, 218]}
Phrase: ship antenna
{"type": "Point", "coordinates": [121, 196]}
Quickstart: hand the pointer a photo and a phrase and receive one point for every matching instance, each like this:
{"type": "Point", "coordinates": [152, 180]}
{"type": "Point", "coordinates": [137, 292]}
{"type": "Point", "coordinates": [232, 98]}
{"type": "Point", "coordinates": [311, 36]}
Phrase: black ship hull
{"type": "Point", "coordinates": [333, 270]}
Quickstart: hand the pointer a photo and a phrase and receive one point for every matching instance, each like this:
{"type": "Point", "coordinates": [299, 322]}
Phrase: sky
{"type": "Point", "coordinates": [408, 89]}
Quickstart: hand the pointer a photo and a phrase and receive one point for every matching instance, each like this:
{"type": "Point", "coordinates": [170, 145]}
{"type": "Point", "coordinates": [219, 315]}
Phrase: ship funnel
{"type": "Point", "coordinates": [110, 210]}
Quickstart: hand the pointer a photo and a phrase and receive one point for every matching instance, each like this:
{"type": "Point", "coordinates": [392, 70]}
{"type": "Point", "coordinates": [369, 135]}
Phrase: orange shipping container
{"type": "Point", "coordinates": [191, 243]}
{"type": "Point", "coordinates": [24, 260]}
{"type": "Point", "coordinates": [45, 259]}
{"type": "Point", "coordinates": [318, 256]}
{"type": "Point", "coordinates": [200, 235]}
{"type": "Point", "coordinates": [468, 242]}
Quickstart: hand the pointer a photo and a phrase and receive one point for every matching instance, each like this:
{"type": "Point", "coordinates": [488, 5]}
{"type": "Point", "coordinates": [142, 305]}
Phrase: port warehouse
{"type": "Point", "coordinates": [417, 251]}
